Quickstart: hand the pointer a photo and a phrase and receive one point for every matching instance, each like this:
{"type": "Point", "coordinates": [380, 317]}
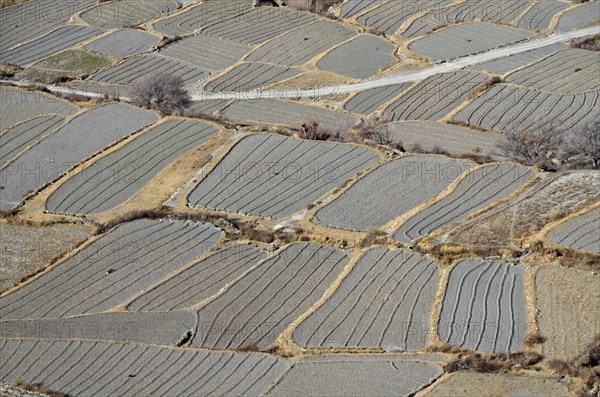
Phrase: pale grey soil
{"type": "Point", "coordinates": [123, 43]}
{"type": "Point", "coordinates": [385, 302]}
{"type": "Point", "coordinates": [207, 107]}
{"type": "Point", "coordinates": [112, 15]}
{"type": "Point", "coordinates": [360, 58]}
{"type": "Point", "coordinates": [582, 16]}
{"type": "Point", "coordinates": [352, 8]}
{"type": "Point", "coordinates": [580, 233]}
{"type": "Point", "coordinates": [111, 270]}
{"type": "Point", "coordinates": [541, 14]}
{"type": "Point", "coordinates": [50, 44]}
{"type": "Point", "coordinates": [503, 65]}
{"type": "Point", "coordinates": [114, 178]}
{"type": "Point", "coordinates": [369, 101]}
{"type": "Point", "coordinates": [484, 307]}
{"type": "Point", "coordinates": [276, 176]}
{"type": "Point", "coordinates": [258, 307]}
{"type": "Point", "coordinates": [251, 76]}
{"type": "Point", "coordinates": [390, 191]}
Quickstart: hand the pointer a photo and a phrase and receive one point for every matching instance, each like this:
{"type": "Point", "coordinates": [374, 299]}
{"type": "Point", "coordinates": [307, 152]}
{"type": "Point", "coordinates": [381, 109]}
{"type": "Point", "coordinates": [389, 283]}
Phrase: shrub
{"type": "Point", "coordinates": [374, 236]}
{"type": "Point", "coordinates": [376, 129]}
{"type": "Point", "coordinates": [586, 365]}
{"type": "Point", "coordinates": [312, 131]}
{"type": "Point", "coordinates": [163, 92]}
{"type": "Point", "coordinates": [588, 43]}
{"type": "Point", "coordinates": [484, 362]}
{"type": "Point", "coordinates": [533, 339]}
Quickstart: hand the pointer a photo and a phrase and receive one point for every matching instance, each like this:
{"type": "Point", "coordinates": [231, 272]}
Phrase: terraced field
{"type": "Point", "coordinates": [205, 279]}
{"type": "Point", "coordinates": [540, 15]}
{"type": "Point", "coordinates": [118, 14]}
{"type": "Point", "coordinates": [250, 76]}
{"type": "Point", "coordinates": [360, 58]}
{"type": "Point", "coordinates": [467, 39]}
{"type": "Point", "coordinates": [205, 14]}
{"type": "Point", "coordinates": [300, 46]}
{"type": "Point", "coordinates": [258, 307]}
{"type": "Point", "coordinates": [32, 19]}
{"type": "Point", "coordinates": [435, 97]}
{"type": "Point", "coordinates": [20, 105]}
{"type": "Point", "coordinates": [568, 304]}
{"type": "Point", "coordinates": [206, 52]}
{"type": "Point", "coordinates": [484, 307]}
{"type": "Point", "coordinates": [125, 370]}
{"type": "Point", "coordinates": [579, 233]}
{"type": "Point", "coordinates": [570, 71]}
{"type": "Point", "coordinates": [431, 135]}
{"type": "Point", "coordinates": [136, 69]}
{"type": "Point", "coordinates": [276, 176]}
{"type": "Point", "coordinates": [281, 112]}
{"type": "Point", "coordinates": [476, 191]}
{"type": "Point", "coordinates": [116, 177]}
{"type": "Point", "coordinates": [504, 11]}
{"type": "Point", "coordinates": [82, 137]}
{"type": "Point", "coordinates": [50, 44]}
{"type": "Point", "coordinates": [385, 301]}
{"type": "Point", "coordinates": [17, 139]}
{"type": "Point", "coordinates": [368, 101]}
{"type": "Point", "coordinates": [208, 107]}
{"type": "Point", "coordinates": [351, 8]}
{"type": "Point", "coordinates": [390, 191]}
{"type": "Point", "coordinates": [111, 270]}
{"type": "Point", "coordinates": [123, 43]}
{"type": "Point", "coordinates": [259, 24]}
{"type": "Point", "coordinates": [503, 65]}
{"type": "Point", "coordinates": [579, 17]}
{"type": "Point", "coordinates": [389, 17]}
{"type": "Point", "coordinates": [359, 376]}
{"type": "Point", "coordinates": [505, 108]}
{"type": "Point", "coordinates": [110, 90]}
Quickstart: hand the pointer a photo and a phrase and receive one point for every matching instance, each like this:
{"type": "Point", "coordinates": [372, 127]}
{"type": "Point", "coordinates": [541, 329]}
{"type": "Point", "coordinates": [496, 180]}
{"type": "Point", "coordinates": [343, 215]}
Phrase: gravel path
{"type": "Point", "coordinates": [124, 43]}
{"type": "Point", "coordinates": [277, 176]}
{"type": "Point", "coordinates": [250, 76]}
{"type": "Point", "coordinates": [484, 307]}
{"type": "Point", "coordinates": [385, 301]}
{"type": "Point", "coordinates": [111, 270]}
{"type": "Point", "coordinates": [369, 101]}
{"type": "Point", "coordinates": [390, 191]}
{"type": "Point", "coordinates": [501, 66]}
{"type": "Point", "coordinates": [580, 233]}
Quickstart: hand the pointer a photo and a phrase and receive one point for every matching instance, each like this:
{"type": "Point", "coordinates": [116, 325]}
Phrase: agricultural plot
{"type": "Point", "coordinates": [259, 24]}
{"type": "Point", "coordinates": [467, 39]}
{"type": "Point", "coordinates": [474, 192]}
{"type": "Point", "coordinates": [281, 112]}
{"type": "Point", "coordinates": [205, 14]}
{"type": "Point", "coordinates": [79, 368]}
{"type": "Point", "coordinates": [207, 52]}
{"type": "Point", "coordinates": [580, 233]}
{"type": "Point", "coordinates": [504, 11]}
{"type": "Point", "coordinates": [114, 178]}
{"type": "Point", "coordinates": [55, 155]}
{"type": "Point", "coordinates": [250, 76]}
{"type": "Point", "coordinates": [123, 43]}
{"type": "Point", "coordinates": [163, 329]}
{"type": "Point", "coordinates": [32, 19]}
{"type": "Point", "coordinates": [300, 46]}
{"type": "Point", "coordinates": [258, 307]}
{"type": "Point", "coordinates": [111, 270]}
{"type": "Point", "coordinates": [276, 176]}
{"type": "Point", "coordinates": [433, 98]}
{"type": "Point", "coordinates": [50, 44]}
{"type": "Point", "coordinates": [351, 8]}
{"type": "Point", "coordinates": [207, 107]}
{"type": "Point", "coordinates": [25, 250]}
{"type": "Point", "coordinates": [369, 101]}
{"type": "Point", "coordinates": [540, 15]}
{"type": "Point", "coordinates": [568, 304]}
{"type": "Point", "coordinates": [505, 108]}
{"type": "Point", "coordinates": [581, 16]}
{"type": "Point", "coordinates": [484, 307]}
{"type": "Point", "coordinates": [385, 301]}
{"type": "Point", "coordinates": [389, 17]}
{"type": "Point", "coordinates": [432, 135]}
{"type": "Point", "coordinates": [390, 191]}
{"type": "Point", "coordinates": [17, 139]}
{"type": "Point", "coordinates": [20, 105]}
{"type": "Point", "coordinates": [201, 281]}
{"type": "Point", "coordinates": [118, 14]}
{"type": "Point", "coordinates": [358, 375]}
{"type": "Point", "coordinates": [135, 70]}
{"type": "Point", "coordinates": [503, 65]}
{"type": "Point", "coordinates": [570, 71]}
{"type": "Point", "coordinates": [360, 58]}
{"type": "Point", "coordinates": [71, 63]}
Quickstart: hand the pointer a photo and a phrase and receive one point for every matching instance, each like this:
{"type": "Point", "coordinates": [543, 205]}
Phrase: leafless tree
{"type": "Point", "coordinates": [375, 128]}
{"type": "Point", "coordinates": [583, 143]}
{"type": "Point", "coordinates": [530, 147]}
{"type": "Point", "coordinates": [163, 92]}
{"type": "Point", "coordinates": [312, 131]}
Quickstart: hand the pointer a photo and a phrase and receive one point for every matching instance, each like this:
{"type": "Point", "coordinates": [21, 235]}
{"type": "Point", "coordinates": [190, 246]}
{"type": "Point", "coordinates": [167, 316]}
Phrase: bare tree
{"type": "Point", "coordinates": [376, 129]}
{"type": "Point", "coordinates": [311, 130]}
{"type": "Point", "coordinates": [531, 147]}
{"type": "Point", "coordinates": [583, 143]}
{"type": "Point", "coordinates": [163, 92]}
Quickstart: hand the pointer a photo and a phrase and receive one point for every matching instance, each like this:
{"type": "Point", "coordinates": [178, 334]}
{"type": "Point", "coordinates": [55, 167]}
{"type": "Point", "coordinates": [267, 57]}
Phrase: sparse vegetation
{"type": "Point", "coordinates": [311, 130]}
{"type": "Point", "coordinates": [163, 92]}
{"type": "Point", "coordinates": [585, 366]}
{"type": "Point", "coordinates": [482, 362]}
{"type": "Point", "coordinates": [588, 43]}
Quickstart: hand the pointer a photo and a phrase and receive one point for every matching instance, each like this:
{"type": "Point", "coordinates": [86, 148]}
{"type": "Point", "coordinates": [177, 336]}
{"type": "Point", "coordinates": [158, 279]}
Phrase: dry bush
{"type": "Point", "coordinates": [533, 339]}
{"type": "Point", "coordinates": [486, 85]}
{"type": "Point", "coordinates": [436, 28]}
{"type": "Point", "coordinates": [376, 129]}
{"type": "Point", "coordinates": [585, 366]}
{"type": "Point", "coordinates": [249, 348]}
{"type": "Point", "coordinates": [374, 236]}
{"type": "Point", "coordinates": [36, 388]}
{"type": "Point", "coordinates": [311, 130]}
{"type": "Point", "coordinates": [163, 92]}
{"type": "Point", "coordinates": [587, 43]}
{"type": "Point", "coordinates": [489, 363]}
